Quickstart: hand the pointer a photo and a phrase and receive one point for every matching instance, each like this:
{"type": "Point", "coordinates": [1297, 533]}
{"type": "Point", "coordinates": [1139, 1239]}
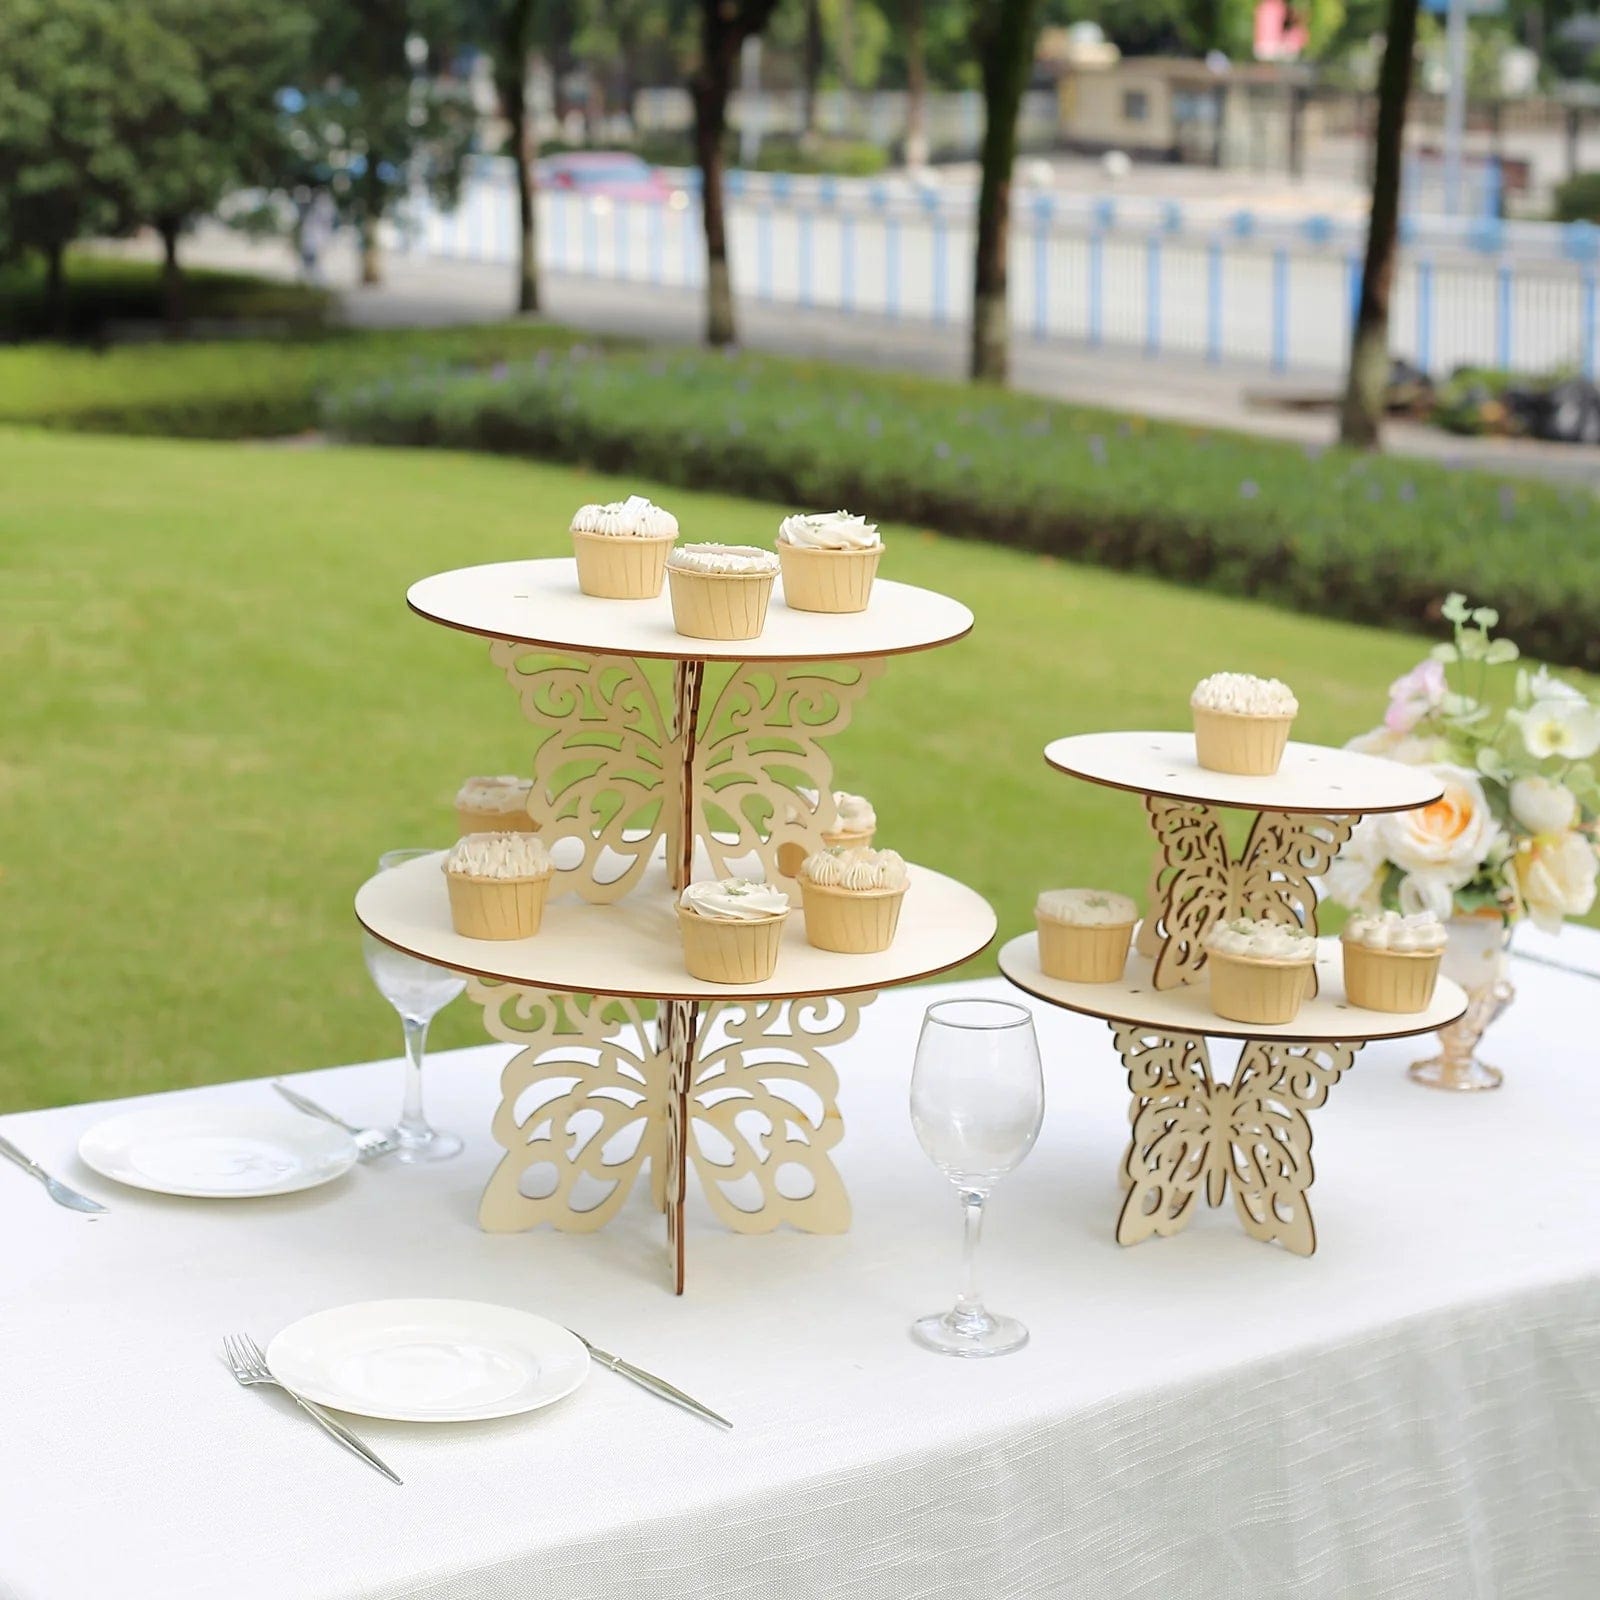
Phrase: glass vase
{"type": "Point", "coordinates": [1474, 957]}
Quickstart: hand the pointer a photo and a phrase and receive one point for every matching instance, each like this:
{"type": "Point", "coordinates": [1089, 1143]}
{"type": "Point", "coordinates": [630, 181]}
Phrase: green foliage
{"type": "Point", "coordinates": [103, 295]}
{"type": "Point", "coordinates": [1336, 533]}
{"type": "Point", "coordinates": [1578, 199]}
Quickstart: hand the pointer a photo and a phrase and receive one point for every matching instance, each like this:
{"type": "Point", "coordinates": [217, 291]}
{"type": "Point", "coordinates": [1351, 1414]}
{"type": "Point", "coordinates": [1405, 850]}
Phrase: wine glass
{"type": "Point", "coordinates": [977, 1100]}
{"type": "Point", "coordinates": [419, 991]}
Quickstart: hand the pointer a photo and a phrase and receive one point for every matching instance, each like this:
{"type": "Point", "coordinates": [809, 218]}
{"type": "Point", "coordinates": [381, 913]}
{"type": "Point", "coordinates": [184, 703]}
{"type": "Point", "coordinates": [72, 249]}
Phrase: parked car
{"type": "Point", "coordinates": [610, 176]}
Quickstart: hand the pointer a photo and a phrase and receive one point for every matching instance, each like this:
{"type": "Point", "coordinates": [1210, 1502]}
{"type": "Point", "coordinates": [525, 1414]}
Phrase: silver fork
{"type": "Point", "coordinates": [370, 1142]}
{"type": "Point", "coordinates": [249, 1368]}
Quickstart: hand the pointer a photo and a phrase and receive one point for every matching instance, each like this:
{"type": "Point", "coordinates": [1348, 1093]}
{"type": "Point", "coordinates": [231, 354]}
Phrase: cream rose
{"type": "Point", "coordinates": [1355, 876]}
{"type": "Point", "coordinates": [1556, 878]}
{"type": "Point", "coordinates": [1542, 806]}
{"type": "Point", "coordinates": [1449, 841]}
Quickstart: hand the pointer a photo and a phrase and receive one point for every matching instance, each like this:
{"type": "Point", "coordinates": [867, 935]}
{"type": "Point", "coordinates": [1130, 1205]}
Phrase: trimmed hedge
{"type": "Point", "coordinates": [1370, 539]}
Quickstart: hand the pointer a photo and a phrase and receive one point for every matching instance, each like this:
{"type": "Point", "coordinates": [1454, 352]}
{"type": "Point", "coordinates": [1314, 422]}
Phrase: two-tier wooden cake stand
{"type": "Point", "coordinates": [642, 783]}
{"type": "Point", "coordinates": [1193, 1134]}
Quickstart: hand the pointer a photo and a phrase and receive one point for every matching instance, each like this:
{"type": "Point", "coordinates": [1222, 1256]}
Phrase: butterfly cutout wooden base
{"type": "Point", "coordinates": [741, 1091]}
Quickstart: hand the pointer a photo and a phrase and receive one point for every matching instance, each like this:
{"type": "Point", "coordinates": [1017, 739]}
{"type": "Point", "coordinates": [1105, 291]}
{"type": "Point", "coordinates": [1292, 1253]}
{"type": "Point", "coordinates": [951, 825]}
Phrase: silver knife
{"type": "Point", "coordinates": [648, 1380]}
{"type": "Point", "coordinates": [58, 1191]}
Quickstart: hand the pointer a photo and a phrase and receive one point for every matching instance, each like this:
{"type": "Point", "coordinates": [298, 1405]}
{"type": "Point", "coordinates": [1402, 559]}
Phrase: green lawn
{"type": "Point", "coordinates": [219, 711]}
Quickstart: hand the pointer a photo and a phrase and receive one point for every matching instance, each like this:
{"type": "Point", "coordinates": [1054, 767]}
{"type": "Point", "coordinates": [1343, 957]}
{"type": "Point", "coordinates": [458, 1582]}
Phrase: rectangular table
{"type": "Point", "coordinates": [1414, 1411]}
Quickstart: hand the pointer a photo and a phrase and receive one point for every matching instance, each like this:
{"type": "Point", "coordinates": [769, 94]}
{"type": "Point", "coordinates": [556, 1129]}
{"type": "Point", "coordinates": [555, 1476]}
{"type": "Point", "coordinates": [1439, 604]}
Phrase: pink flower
{"type": "Point", "coordinates": [1412, 697]}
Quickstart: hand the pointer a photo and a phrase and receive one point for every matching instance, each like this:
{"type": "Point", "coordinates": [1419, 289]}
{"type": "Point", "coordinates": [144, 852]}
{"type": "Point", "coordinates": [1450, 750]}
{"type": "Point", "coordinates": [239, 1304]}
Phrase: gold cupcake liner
{"type": "Point", "coordinates": [851, 921]}
{"type": "Point", "coordinates": [618, 567]}
{"type": "Point", "coordinates": [496, 908]}
{"type": "Point", "coordinates": [471, 819]}
{"type": "Point", "coordinates": [1226, 741]}
{"type": "Point", "coordinates": [719, 605]}
{"type": "Point", "coordinates": [847, 840]}
{"type": "Point", "coordinates": [722, 950]}
{"type": "Point", "coordinates": [1247, 990]}
{"type": "Point", "coordinates": [1083, 954]}
{"type": "Point", "coordinates": [827, 580]}
{"type": "Point", "coordinates": [1390, 980]}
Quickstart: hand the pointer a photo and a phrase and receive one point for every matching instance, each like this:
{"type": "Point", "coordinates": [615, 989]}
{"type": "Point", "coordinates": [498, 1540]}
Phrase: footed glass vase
{"type": "Point", "coordinates": [1474, 957]}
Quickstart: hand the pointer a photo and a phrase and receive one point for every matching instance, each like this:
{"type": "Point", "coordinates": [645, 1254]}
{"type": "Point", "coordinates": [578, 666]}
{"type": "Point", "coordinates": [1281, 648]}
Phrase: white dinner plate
{"type": "Point", "coordinates": [218, 1152]}
{"type": "Point", "coordinates": [428, 1360]}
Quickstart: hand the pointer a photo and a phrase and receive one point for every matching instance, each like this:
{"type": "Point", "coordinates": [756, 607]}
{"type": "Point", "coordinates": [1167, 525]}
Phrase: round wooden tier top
{"type": "Point", "coordinates": [1310, 778]}
{"type": "Point", "coordinates": [539, 603]}
{"type": "Point", "coordinates": [1186, 1009]}
{"type": "Point", "coordinates": [633, 948]}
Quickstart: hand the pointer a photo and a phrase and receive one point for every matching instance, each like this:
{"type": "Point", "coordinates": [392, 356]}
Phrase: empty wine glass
{"type": "Point", "coordinates": [977, 1100]}
{"type": "Point", "coordinates": [419, 991]}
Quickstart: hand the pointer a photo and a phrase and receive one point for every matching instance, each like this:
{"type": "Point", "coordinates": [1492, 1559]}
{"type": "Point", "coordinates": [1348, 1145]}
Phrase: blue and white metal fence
{"type": "Point", "coordinates": [1142, 276]}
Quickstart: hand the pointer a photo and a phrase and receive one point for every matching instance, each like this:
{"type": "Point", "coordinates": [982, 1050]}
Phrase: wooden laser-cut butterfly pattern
{"type": "Point", "coordinates": [610, 763]}
{"type": "Point", "coordinates": [1195, 884]}
{"type": "Point", "coordinates": [1193, 1137]}
{"type": "Point", "coordinates": [587, 1103]}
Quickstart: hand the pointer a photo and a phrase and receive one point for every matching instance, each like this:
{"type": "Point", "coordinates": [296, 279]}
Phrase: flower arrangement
{"type": "Point", "coordinates": [1516, 830]}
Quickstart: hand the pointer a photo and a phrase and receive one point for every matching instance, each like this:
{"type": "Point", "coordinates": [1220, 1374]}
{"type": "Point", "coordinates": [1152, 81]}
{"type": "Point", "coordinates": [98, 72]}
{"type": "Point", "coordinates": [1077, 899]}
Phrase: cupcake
{"type": "Point", "coordinates": [829, 561]}
{"type": "Point", "coordinates": [622, 548]}
{"type": "Point", "coordinates": [854, 821]}
{"type": "Point", "coordinates": [1241, 723]}
{"type": "Point", "coordinates": [731, 929]}
{"type": "Point", "coordinates": [498, 883]}
{"type": "Point", "coordinates": [1084, 934]}
{"type": "Point", "coordinates": [720, 591]}
{"type": "Point", "coordinates": [1391, 962]}
{"type": "Point", "coordinates": [1260, 971]}
{"type": "Point", "coordinates": [852, 899]}
{"type": "Point", "coordinates": [495, 805]}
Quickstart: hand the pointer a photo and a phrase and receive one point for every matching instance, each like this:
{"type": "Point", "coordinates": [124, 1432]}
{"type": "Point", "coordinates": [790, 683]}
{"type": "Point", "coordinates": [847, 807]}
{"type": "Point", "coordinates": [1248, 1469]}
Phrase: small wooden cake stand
{"type": "Point", "coordinates": [636, 795]}
{"type": "Point", "coordinates": [1193, 1134]}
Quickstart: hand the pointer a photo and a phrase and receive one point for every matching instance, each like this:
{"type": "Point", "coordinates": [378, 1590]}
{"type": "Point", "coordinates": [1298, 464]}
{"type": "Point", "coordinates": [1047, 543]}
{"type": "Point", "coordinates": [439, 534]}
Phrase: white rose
{"type": "Point", "coordinates": [1427, 892]}
{"type": "Point", "coordinates": [1355, 876]}
{"type": "Point", "coordinates": [1556, 878]}
{"type": "Point", "coordinates": [1542, 806]}
{"type": "Point", "coordinates": [1450, 840]}
{"type": "Point", "coordinates": [1564, 727]}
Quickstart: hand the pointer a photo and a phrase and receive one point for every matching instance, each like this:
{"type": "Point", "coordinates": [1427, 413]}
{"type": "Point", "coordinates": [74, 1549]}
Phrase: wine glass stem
{"type": "Point", "coordinates": [414, 1127]}
{"type": "Point", "coordinates": [969, 1303]}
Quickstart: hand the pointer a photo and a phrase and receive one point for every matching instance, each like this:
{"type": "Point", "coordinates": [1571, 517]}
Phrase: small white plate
{"type": "Point", "coordinates": [429, 1360]}
{"type": "Point", "coordinates": [218, 1152]}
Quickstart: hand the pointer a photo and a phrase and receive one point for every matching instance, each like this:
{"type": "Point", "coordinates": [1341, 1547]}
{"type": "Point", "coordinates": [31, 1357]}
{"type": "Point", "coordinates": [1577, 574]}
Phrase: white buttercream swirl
{"type": "Point", "coordinates": [1420, 933]}
{"type": "Point", "coordinates": [1086, 908]}
{"type": "Point", "coordinates": [862, 871]}
{"type": "Point", "coordinates": [499, 855]}
{"type": "Point", "coordinates": [1262, 941]}
{"type": "Point", "coordinates": [735, 900]}
{"type": "Point", "coordinates": [633, 518]}
{"type": "Point", "coordinates": [853, 812]}
{"type": "Point", "coordinates": [507, 792]}
{"type": "Point", "coordinates": [829, 530]}
{"type": "Point", "coordinates": [737, 559]}
{"type": "Point", "coordinates": [1244, 695]}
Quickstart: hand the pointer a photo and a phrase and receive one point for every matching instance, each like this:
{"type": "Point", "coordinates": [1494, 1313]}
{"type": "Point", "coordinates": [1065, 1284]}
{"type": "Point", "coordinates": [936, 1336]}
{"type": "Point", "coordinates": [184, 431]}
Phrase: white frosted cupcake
{"type": "Point", "coordinates": [1241, 723]}
{"type": "Point", "coordinates": [854, 821]}
{"type": "Point", "coordinates": [852, 899]}
{"type": "Point", "coordinates": [1391, 962]}
{"type": "Point", "coordinates": [731, 929]}
{"type": "Point", "coordinates": [495, 805]}
{"type": "Point", "coordinates": [720, 591]}
{"type": "Point", "coordinates": [829, 561]}
{"type": "Point", "coordinates": [497, 883]}
{"type": "Point", "coordinates": [1084, 934]}
{"type": "Point", "coordinates": [622, 548]}
{"type": "Point", "coordinates": [1260, 971]}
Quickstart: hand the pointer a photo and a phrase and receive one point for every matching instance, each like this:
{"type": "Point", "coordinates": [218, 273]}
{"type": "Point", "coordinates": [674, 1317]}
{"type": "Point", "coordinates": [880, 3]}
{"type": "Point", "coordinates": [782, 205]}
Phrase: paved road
{"type": "Point", "coordinates": [427, 292]}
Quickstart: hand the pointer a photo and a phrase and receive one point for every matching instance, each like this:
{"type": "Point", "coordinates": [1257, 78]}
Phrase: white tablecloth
{"type": "Point", "coordinates": [1414, 1411]}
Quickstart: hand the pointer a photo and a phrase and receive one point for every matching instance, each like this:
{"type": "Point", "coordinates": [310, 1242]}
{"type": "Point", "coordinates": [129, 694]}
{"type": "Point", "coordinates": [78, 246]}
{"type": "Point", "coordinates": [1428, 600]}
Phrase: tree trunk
{"type": "Point", "coordinates": [810, 72]}
{"type": "Point", "coordinates": [512, 83]}
{"type": "Point", "coordinates": [1361, 417]}
{"type": "Point", "coordinates": [55, 288]}
{"type": "Point", "coordinates": [371, 258]}
{"type": "Point", "coordinates": [1004, 36]}
{"type": "Point", "coordinates": [173, 310]}
{"type": "Point", "coordinates": [711, 90]}
{"type": "Point", "coordinates": [916, 86]}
